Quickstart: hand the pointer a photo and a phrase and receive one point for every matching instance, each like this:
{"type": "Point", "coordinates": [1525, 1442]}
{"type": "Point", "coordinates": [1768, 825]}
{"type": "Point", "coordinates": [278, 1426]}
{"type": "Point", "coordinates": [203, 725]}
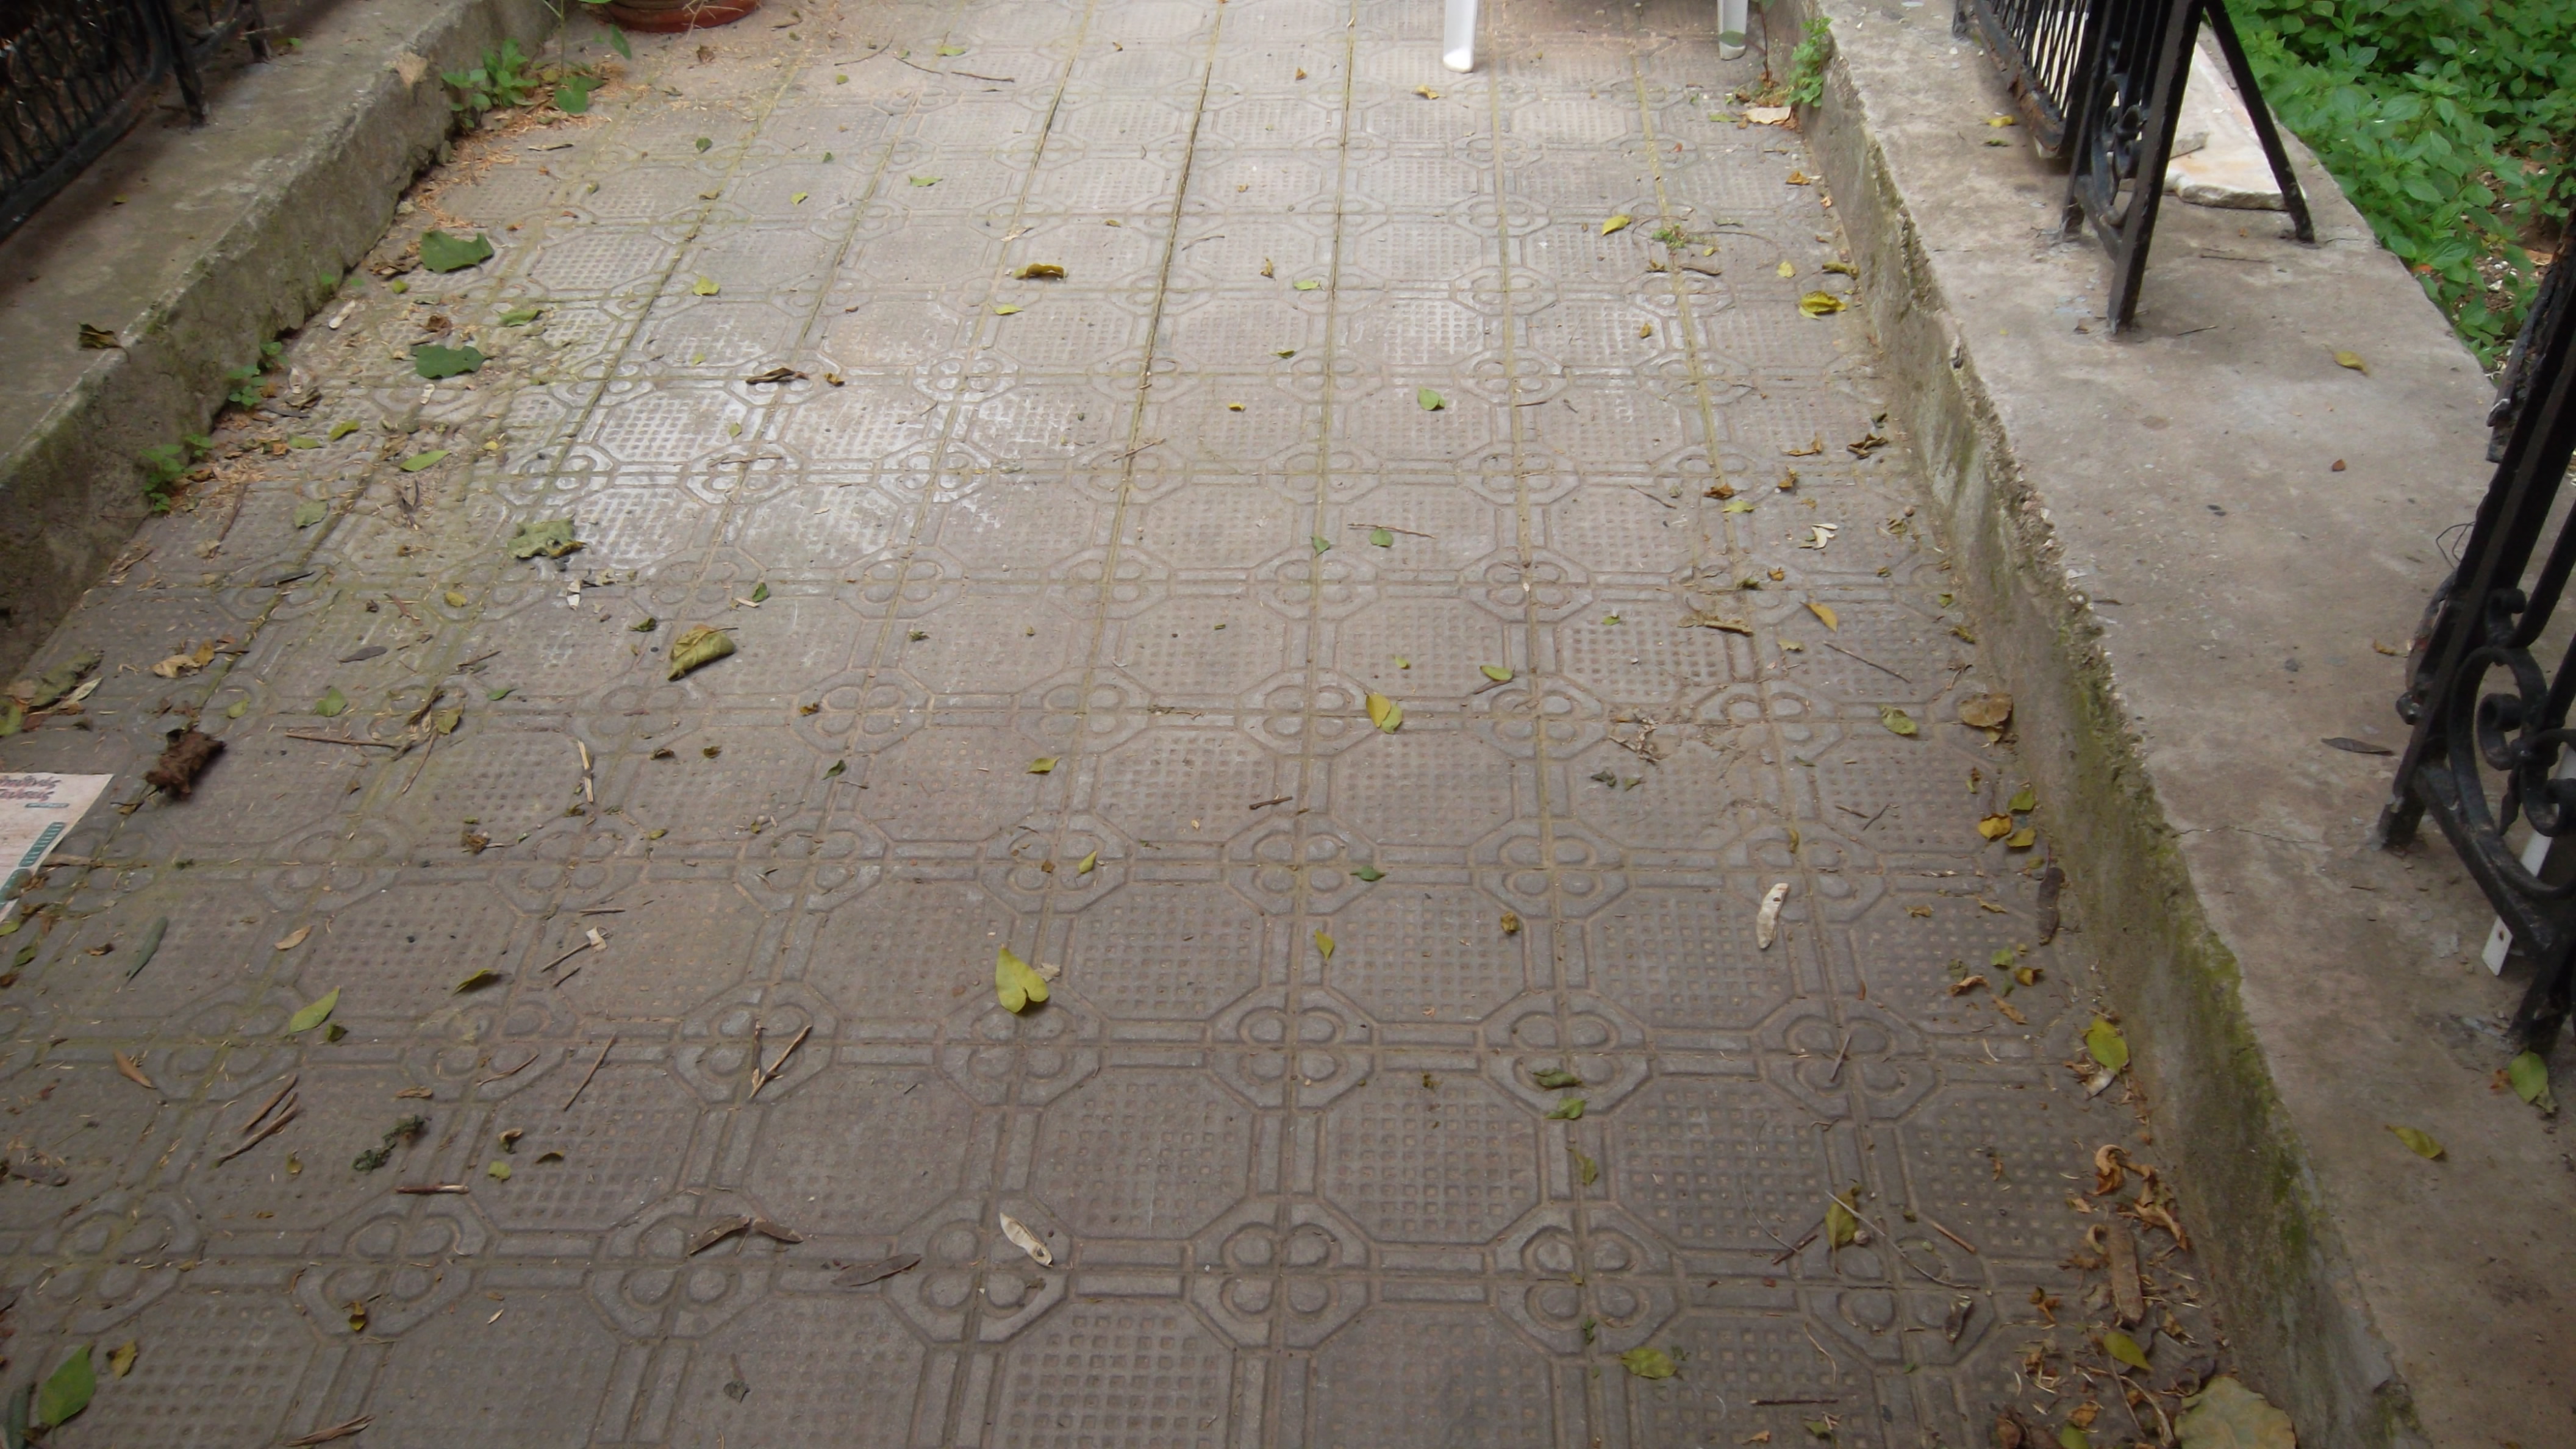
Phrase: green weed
{"type": "Point", "coordinates": [2451, 124]}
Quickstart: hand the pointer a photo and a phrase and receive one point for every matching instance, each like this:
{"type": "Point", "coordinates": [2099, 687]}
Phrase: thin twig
{"type": "Point", "coordinates": [762, 1076]}
{"type": "Point", "coordinates": [1273, 800]}
{"type": "Point", "coordinates": [271, 1104]}
{"type": "Point", "coordinates": [1899, 1248]}
{"type": "Point", "coordinates": [512, 1072]}
{"type": "Point", "coordinates": [1872, 663]}
{"type": "Point", "coordinates": [1953, 1237]}
{"type": "Point", "coordinates": [970, 75]}
{"type": "Point", "coordinates": [431, 1189]}
{"type": "Point", "coordinates": [1140, 447]}
{"type": "Point", "coordinates": [1391, 528]}
{"type": "Point", "coordinates": [1836, 1074]}
{"type": "Point", "coordinates": [343, 740]}
{"type": "Point", "coordinates": [1642, 493]}
{"type": "Point", "coordinates": [586, 945]}
{"type": "Point", "coordinates": [271, 1130]}
{"type": "Point", "coordinates": [586, 1076]}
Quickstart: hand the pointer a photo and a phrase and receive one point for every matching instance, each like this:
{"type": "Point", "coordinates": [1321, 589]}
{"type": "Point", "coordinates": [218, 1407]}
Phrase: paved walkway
{"type": "Point", "coordinates": [1346, 387]}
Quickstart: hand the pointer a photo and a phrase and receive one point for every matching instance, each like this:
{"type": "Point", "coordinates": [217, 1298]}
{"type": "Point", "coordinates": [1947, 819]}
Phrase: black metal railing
{"type": "Point", "coordinates": [2101, 82]}
{"type": "Point", "coordinates": [75, 74]}
{"type": "Point", "coordinates": [2491, 747]}
{"type": "Point", "coordinates": [2040, 44]}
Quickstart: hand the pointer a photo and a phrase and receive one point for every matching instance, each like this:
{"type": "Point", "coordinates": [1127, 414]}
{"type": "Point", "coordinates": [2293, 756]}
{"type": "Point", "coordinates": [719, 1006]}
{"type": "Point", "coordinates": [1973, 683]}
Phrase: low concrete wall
{"type": "Point", "coordinates": [2173, 669]}
{"type": "Point", "coordinates": [195, 246]}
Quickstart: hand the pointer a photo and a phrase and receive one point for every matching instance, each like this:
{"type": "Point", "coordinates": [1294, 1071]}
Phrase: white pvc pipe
{"type": "Point", "coordinates": [1458, 37]}
{"type": "Point", "coordinates": [1730, 28]}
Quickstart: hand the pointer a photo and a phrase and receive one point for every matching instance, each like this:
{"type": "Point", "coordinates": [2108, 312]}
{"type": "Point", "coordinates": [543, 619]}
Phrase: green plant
{"type": "Point", "coordinates": [250, 384]}
{"type": "Point", "coordinates": [505, 78]}
{"type": "Point", "coordinates": [165, 465]}
{"type": "Point", "coordinates": [2451, 125]}
{"type": "Point", "coordinates": [1807, 62]}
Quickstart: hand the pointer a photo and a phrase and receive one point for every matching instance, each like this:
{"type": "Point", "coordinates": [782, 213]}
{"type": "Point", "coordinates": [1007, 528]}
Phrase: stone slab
{"type": "Point", "coordinates": [195, 246]}
{"type": "Point", "coordinates": [2188, 595]}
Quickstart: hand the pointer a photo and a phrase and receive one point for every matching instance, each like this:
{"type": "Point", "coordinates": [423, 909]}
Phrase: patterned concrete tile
{"type": "Point", "coordinates": [1345, 391]}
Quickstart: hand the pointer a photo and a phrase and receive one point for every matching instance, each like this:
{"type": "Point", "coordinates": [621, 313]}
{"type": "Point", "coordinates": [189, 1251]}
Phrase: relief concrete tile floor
{"type": "Point", "coordinates": [1169, 523]}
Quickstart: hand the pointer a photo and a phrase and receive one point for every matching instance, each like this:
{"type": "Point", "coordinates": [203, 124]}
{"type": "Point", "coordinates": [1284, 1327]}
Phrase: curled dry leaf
{"type": "Point", "coordinates": [717, 1232]}
{"type": "Point", "coordinates": [1026, 1241]}
{"type": "Point", "coordinates": [1897, 721]}
{"type": "Point", "coordinates": [126, 1068]}
{"type": "Point", "coordinates": [1820, 304]}
{"type": "Point", "coordinates": [1986, 711]}
{"type": "Point", "coordinates": [1040, 272]}
{"type": "Point", "coordinates": [1511, 923]}
{"type": "Point", "coordinates": [1766, 922]}
{"type": "Point", "coordinates": [697, 647]}
{"type": "Point", "coordinates": [2228, 1415]}
{"type": "Point", "coordinates": [860, 1275]}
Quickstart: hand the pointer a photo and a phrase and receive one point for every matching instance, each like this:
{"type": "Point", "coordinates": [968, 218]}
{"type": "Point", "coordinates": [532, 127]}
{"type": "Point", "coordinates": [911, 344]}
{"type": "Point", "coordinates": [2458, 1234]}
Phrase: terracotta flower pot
{"type": "Point", "coordinates": [663, 16]}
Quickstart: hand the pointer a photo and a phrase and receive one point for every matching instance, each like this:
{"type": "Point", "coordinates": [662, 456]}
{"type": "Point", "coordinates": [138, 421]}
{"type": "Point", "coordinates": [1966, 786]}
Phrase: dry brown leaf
{"type": "Point", "coordinates": [1766, 922]}
{"type": "Point", "coordinates": [1986, 711]}
{"type": "Point", "coordinates": [126, 1068]}
{"type": "Point", "coordinates": [294, 938]}
{"type": "Point", "coordinates": [1026, 1241]}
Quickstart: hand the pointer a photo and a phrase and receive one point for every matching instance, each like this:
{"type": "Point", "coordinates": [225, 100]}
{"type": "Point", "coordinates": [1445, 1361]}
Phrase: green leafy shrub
{"type": "Point", "coordinates": [2451, 124]}
{"type": "Point", "coordinates": [1807, 62]}
{"type": "Point", "coordinates": [507, 77]}
{"type": "Point", "coordinates": [165, 465]}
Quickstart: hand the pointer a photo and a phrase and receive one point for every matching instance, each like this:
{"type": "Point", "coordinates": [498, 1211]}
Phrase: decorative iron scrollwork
{"type": "Point", "coordinates": [2484, 759]}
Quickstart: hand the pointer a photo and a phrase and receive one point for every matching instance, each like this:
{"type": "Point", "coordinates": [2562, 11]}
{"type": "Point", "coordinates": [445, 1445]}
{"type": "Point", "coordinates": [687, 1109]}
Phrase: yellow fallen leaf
{"type": "Point", "coordinates": [2353, 361]}
{"type": "Point", "coordinates": [1426, 92]}
{"type": "Point", "coordinates": [1788, 269]}
{"type": "Point", "coordinates": [1995, 827]}
{"type": "Point", "coordinates": [1016, 984]}
{"type": "Point", "coordinates": [294, 938]}
{"type": "Point", "coordinates": [1820, 304]}
{"type": "Point", "coordinates": [1385, 713]}
{"type": "Point", "coordinates": [1042, 765]}
{"type": "Point", "coordinates": [1826, 613]}
{"type": "Point", "coordinates": [1087, 864]}
{"type": "Point", "coordinates": [1324, 945]}
{"type": "Point", "coordinates": [1616, 223]}
{"type": "Point", "coordinates": [2420, 1143]}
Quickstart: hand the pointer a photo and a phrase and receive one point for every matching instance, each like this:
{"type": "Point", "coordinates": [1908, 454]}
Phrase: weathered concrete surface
{"type": "Point", "coordinates": [1296, 1196]}
{"type": "Point", "coordinates": [2188, 597]}
{"type": "Point", "coordinates": [194, 246]}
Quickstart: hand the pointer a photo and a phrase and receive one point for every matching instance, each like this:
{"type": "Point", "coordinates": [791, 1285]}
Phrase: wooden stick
{"type": "Point", "coordinates": [1953, 1237]}
{"type": "Point", "coordinates": [273, 1128]}
{"type": "Point", "coordinates": [763, 1076]}
{"type": "Point", "coordinates": [1872, 663]}
{"type": "Point", "coordinates": [586, 1076]}
{"type": "Point", "coordinates": [273, 1101]}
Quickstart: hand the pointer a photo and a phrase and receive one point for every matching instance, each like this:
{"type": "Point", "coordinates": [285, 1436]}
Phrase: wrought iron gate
{"type": "Point", "coordinates": [2101, 82]}
{"type": "Point", "coordinates": [2482, 759]}
{"type": "Point", "coordinates": [76, 74]}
